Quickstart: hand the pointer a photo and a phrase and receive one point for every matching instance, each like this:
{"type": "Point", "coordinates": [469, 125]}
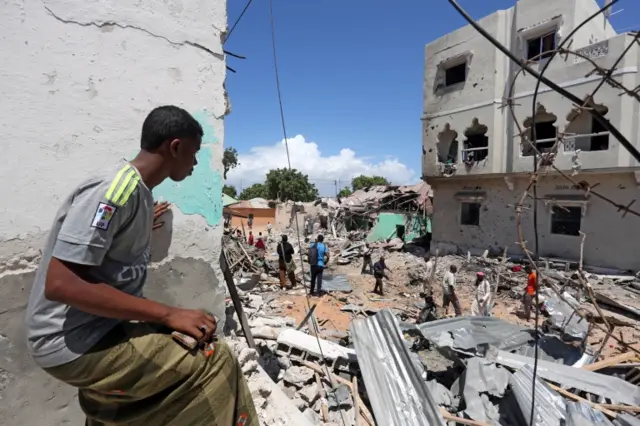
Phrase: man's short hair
{"type": "Point", "coordinates": [320, 238]}
{"type": "Point", "coordinates": [167, 123]}
{"type": "Point", "coordinates": [284, 238]}
{"type": "Point", "coordinates": [453, 269]}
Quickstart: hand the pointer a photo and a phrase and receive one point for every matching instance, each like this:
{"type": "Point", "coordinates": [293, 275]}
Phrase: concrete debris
{"type": "Point", "coordinates": [299, 376]}
{"type": "Point", "coordinates": [340, 397]}
{"type": "Point", "coordinates": [350, 357]}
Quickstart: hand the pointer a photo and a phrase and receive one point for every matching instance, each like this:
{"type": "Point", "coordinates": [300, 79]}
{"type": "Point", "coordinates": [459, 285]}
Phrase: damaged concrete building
{"type": "Point", "coordinates": [479, 166]}
{"type": "Point", "coordinates": [79, 82]}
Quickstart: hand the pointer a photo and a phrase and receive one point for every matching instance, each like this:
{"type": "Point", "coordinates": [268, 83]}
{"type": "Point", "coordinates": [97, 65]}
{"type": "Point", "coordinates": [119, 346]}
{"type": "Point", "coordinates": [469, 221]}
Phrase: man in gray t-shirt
{"type": "Point", "coordinates": [104, 225]}
{"type": "Point", "coordinates": [87, 322]}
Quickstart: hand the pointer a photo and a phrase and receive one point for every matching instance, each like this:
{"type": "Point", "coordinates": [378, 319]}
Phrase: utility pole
{"type": "Point", "coordinates": [336, 184]}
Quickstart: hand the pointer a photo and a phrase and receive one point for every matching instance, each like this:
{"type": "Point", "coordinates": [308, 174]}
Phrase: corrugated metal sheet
{"type": "Point", "coordinates": [399, 395]}
{"type": "Point", "coordinates": [466, 333]}
{"type": "Point", "coordinates": [588, 381]}
{"type": "Point", "coordinates": [581, 414]}
{"type": "Point", "coordinates": [550, 407]}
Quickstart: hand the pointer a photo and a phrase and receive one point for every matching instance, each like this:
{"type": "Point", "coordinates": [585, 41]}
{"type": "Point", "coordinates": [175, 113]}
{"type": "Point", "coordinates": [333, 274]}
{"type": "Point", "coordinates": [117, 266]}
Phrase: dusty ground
{"type": "Point", "coordinates": [403, 297]}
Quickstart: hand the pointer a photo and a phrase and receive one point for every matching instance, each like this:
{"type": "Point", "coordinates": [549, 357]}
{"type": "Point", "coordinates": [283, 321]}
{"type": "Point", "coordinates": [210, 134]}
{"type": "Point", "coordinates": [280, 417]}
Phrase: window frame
{"type": "Point", "coordinates": [580, 206]}
{"type": "Point", "coordinates": [462, 204]}
{"type": "Point", "coordinates": [542, 36]}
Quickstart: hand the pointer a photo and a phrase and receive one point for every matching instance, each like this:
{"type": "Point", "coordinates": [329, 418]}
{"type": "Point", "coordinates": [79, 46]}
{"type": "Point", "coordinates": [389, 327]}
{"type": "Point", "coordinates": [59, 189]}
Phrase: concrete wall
{"type": "Point", "coordinates": [261, 217]}
{"type": "Point", "coordinates": [610, 239]}
{"type": "Point", "coordinates": [477, 102]}
{"type": "Point", "coordinates": [78, 79]}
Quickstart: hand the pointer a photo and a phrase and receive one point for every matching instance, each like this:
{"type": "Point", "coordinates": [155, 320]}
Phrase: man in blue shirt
{"type": "Point", "coordinates": [318, 264]}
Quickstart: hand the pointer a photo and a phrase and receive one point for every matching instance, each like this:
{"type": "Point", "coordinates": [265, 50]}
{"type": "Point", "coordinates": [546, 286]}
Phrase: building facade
{"type": "Point", "coordinates": [479, 166]}
{"type": "Point", "coordinates": [77, 80]}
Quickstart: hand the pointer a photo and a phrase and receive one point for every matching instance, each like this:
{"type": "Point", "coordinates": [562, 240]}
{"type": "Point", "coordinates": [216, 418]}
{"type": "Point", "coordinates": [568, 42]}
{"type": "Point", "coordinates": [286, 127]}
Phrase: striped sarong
{"type": "Point", "coordinates": [137, 375]}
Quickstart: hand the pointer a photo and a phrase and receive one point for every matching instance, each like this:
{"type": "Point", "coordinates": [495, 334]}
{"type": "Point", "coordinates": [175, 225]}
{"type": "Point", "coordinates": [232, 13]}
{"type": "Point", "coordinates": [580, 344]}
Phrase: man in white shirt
{"type": "Point", "coordinates": [449, 291]}
{"type": "Point", "coordinates": [482, 300]}
{"type": "Point", "coordinates": [426, 284]}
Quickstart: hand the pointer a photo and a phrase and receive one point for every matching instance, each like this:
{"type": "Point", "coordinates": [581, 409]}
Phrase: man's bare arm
{"type": "Point", "coordinates": [64, 284]}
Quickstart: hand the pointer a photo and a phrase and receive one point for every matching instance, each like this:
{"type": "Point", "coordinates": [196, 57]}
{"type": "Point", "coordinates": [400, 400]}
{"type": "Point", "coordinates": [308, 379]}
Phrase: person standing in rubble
{"type": "Point", "coordinates": [367, 263]}
{"type": "Point", "coordinates": [530, 291]}
{"type": "Point", "coordinates": [318, 255]}
{"type": "Point", "coordinates": [482, 300]}
{"type": "Point", "coordinates": [426, 286]}
{"type": "Point", "coordinates": [379, 274]}
{"type": "Point", "coordinates": [269, 228]}
{"type": "Point", "coordinates": [87, 322]}
{"type": "Point", "coordinates": [250, 239]}
{"type": "Point", "coordinates": [449, 295]}
{"type": "Point", "coordinates": [260, 243]}
{"type": "Point", "coordinates": [286, 265]}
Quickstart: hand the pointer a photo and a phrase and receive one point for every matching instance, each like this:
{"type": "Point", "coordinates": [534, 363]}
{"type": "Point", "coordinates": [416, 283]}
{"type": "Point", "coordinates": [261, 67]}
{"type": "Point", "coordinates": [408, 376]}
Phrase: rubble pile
{"type": "Point", "coordinates": [349, 357]}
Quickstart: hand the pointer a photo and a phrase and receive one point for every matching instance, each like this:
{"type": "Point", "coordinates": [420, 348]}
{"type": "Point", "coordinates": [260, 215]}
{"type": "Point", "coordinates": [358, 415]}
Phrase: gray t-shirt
{"type": "Point", "coordinates": [104, 224]}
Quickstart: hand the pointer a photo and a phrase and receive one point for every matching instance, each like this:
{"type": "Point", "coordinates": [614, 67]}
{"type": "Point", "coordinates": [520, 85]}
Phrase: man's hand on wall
{"type": "Point", "coordinates": [158, 210]}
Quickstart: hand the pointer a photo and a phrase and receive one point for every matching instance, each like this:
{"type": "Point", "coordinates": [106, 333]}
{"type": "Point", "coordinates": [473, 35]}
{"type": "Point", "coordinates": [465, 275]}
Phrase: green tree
{"type": "Point", "coordinates": [257, 190]}
{"type": "Point", "coordinates": [345, 192]}
{"type": "Point", "coordinates": [285, 184]}
{"type": "Point", "coordinates": [229, 160]}
{"type": "Point", "coordinates": [363, 181]}
{"type": "Point", "coordinates": [230, 190]}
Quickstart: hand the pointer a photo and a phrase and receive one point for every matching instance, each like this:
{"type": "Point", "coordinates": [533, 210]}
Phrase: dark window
{"type": "Point", "coordinates": [541, 47]}
{"type": "Point", "coordinates": [456, 74]}
{"type": "Point", "coordinates": [545, 130]}
{"type": "Point", "coordinates": [470, 214]}
{"type": "Point", "coordinates": [566, 220]}
{"type": "Point", "coordinates": [476, 141]}
{"type": "Point", "coordinates": [598, 143]}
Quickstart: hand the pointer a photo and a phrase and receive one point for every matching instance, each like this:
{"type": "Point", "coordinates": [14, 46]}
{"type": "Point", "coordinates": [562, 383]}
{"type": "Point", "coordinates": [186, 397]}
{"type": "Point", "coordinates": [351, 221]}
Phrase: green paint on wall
{"type": "Point", "coordinates": [200, 193]}
{"type": "Point", "coordinates": [205, 119]}
{"type": "Point", "coordinates": [385, 227]}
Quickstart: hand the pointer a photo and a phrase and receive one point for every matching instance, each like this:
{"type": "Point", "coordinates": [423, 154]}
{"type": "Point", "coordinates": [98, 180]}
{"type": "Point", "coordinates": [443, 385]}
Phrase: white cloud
{"type": "Point", "coordinates": [322, 170]}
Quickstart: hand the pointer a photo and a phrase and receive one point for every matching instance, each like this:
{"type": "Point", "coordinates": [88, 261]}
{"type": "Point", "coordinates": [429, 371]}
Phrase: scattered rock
{"type": "Point", "coordinates": [298, 402]}
{"type": "Point", "coordinates": [246, 355]}
{"type": "Point", "coordinates": [310, 394]}
{"type": "Point", "coordinates": [249, 367]}
{"type": "Point", "coordinates": [339, 398]}
{"type": "Point", "coordinates": [299, 376]}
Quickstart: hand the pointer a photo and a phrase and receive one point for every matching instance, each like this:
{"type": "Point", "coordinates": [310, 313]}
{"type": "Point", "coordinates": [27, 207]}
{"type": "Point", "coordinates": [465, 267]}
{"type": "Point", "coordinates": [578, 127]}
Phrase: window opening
{"type": "Point", "coordinates": [470, 214]}
{"type": "Point", "coordinates": [539, 48]}
{"type": "Point", "coordinates": [455, 74]}
{"type": "Point", "coordinates": [566, 220]}
{"type": "Point", "coordinates": [476, 148]}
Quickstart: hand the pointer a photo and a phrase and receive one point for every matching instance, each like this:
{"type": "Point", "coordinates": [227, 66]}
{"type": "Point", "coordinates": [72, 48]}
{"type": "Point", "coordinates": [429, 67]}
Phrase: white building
{"type": "Point", "coordinates": [479, 167]}
{"type": "Point", "coordinates": [76, 82]}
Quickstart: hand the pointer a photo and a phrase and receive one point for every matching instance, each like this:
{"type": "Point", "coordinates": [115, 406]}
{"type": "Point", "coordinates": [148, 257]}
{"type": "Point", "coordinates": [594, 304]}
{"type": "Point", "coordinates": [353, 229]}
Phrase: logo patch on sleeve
{"type": "Point", "coordinates": [103, 216]}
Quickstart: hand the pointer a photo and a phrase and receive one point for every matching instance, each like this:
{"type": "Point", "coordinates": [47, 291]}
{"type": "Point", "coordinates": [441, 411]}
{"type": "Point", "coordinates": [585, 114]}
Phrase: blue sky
{"type": "Point", "coordinates": [351, 78]}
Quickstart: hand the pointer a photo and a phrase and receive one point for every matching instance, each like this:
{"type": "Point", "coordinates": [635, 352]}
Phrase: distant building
{"type": "Point", "coordinates": [479, 168]}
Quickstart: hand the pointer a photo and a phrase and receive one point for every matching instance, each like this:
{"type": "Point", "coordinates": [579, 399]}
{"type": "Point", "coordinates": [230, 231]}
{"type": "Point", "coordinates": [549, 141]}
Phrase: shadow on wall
{"type": "Point", "coordinates": [161, 238]}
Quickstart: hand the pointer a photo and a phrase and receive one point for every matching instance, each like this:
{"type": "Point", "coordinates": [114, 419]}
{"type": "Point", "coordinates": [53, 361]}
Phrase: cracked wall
{"type": "Point", "coordinates": [78, 79]}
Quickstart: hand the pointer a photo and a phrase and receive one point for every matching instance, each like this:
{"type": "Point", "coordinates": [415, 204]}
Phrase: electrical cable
{"type": "Point", "coordinates": [284, 131]}
{"type": "Point", "coordinates": [539, 79]}
{"type": "Point", "coordinates": [535, 195]}
{"type": "Point", "coordinates": [235, 24]}
{"type": "Point", "coordinates": [573, 98]}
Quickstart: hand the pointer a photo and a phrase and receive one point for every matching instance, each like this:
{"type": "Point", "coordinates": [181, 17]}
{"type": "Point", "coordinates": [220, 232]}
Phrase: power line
{"type": "Point", "coordinates": [540, 79]}
{"type": "Point", "coordinates": [284, 131]}
{"type": "Point", "coordinates": [237, 21]}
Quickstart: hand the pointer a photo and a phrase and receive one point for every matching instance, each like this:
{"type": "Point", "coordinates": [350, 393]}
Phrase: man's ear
{"type": "Point", "coordinates": [174, 145]}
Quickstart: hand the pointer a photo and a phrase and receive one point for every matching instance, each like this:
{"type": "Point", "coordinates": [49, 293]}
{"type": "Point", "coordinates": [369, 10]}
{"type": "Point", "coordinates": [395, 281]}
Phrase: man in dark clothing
{"type": "Point", "coordinates": [318, 264]}
{"type": "Point", "coordinates": [286, 264]}
{"type": "Point", "coordinates": [366, 259]}
{"type": "Point", "coordinates": [379, 273]}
